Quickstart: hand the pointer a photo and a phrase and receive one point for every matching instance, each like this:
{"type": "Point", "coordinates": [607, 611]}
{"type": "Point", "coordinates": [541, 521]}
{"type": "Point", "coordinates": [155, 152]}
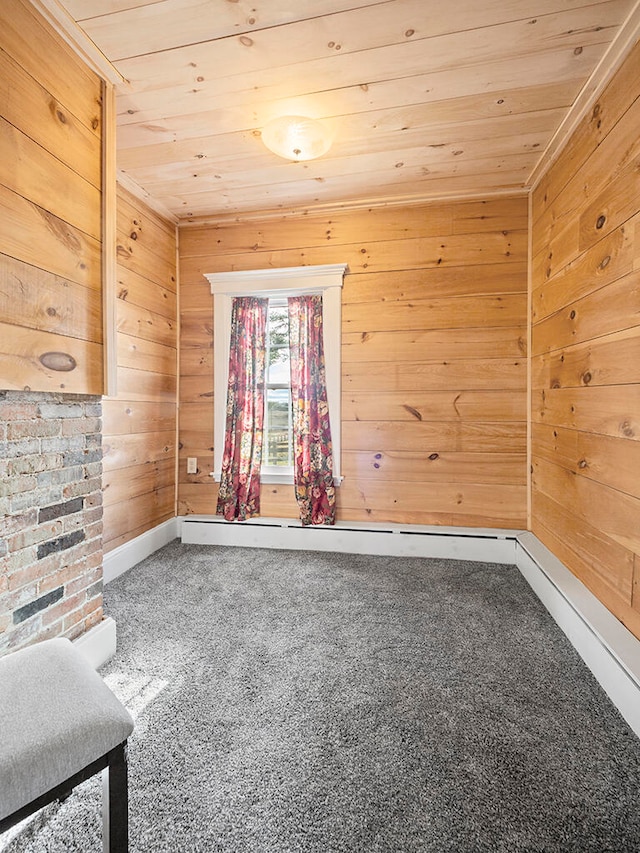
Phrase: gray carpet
{"type": "Point", "coordinates": [310, 702]}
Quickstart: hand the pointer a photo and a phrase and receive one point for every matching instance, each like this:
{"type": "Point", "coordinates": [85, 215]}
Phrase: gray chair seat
{"type": "Point", "coordinates": [60, 724]}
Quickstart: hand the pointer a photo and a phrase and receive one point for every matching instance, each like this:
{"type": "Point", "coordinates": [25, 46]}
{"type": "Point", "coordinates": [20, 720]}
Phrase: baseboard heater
{"type": "Point", "coordinates": [610, 651]}
{"type": "Point", "coordinates": [459, 543]}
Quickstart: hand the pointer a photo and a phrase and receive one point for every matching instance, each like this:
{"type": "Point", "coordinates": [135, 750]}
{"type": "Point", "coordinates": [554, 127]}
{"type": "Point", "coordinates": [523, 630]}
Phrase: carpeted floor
{"type": "Point", "coordinates": [315, 702]}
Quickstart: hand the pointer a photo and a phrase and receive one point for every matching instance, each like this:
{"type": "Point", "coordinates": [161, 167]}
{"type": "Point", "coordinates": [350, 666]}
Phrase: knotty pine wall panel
{"type": "Point", "coordinates": [433, 356]}
{"type": "Point", "coordinates": [50, 211]}
{"type": "Point", "coordinates": [139, 425]}
{"type": "Point", "coordinates": [586, 350]}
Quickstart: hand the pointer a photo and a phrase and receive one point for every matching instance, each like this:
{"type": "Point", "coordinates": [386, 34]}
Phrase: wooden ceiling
{"type": "Point", "coordinates": [425, 98]}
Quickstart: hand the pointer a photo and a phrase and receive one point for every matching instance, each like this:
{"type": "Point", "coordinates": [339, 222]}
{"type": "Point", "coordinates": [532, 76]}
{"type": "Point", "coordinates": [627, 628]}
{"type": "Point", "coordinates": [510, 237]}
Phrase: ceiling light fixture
{"type": "Point", "coordinates": [296, 137]}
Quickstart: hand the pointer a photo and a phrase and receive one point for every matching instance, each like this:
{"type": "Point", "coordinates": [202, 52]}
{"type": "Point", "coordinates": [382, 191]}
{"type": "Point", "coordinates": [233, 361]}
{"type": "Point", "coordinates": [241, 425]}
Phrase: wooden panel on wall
{"type": "Point", "coordinates": [434, 356]}
{"type": "Point", "coordinates": [586, 350]}
{"type": "Point", "coordinates": [139, 425]}
{"type": "Point", "coordinates": [50, 210]}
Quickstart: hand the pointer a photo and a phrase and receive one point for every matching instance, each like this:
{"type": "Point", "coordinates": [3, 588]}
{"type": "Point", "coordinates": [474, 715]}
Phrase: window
{"type": "Point", "coordinates": [278, 427]}
{"type": "Point", "coordinates": [277, 285]}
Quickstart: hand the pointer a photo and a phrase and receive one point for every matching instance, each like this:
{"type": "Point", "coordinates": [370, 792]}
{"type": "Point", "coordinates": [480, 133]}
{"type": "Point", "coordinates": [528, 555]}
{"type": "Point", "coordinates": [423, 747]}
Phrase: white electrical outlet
{"type": "Point", "coordinates": [192, 465]}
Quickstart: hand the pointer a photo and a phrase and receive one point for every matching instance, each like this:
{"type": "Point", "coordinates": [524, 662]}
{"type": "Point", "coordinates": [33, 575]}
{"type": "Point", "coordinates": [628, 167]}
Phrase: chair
{"type": "Point", "coordinates": [60, 724]}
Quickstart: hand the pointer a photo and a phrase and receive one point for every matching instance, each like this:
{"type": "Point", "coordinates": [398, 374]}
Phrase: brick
{"type": "Point", "coordinates": [27, 446]}
{"type": "Point", "coordinates": [34, 464]}
{"type": "Point", "coordinates": [26, 634]}
{"type": "Point", "coordinates": [94, 617]}
{"type": "Point", "coordinates": [52, 563]}
{"type": "Point", "coordinates": [94, 499]}
{"type": "Point", "coordinates": [64, 444]}
{"type": "Point", "coordinates": [95, 589]}
{"type": "Point", "coordinates": [73, 626]}
{"type": "Point", "coordinates": [34, 535]}
{"type": "Point", "coordinates": [17, 560]}
{"type": "Point", "coordinates": [89, 614]}
{"type": "Point", "coordinates": [60, 409]}
{"type": "Point", "coordinates": [32, 574]}
{"type": "Point", "coordinates": [81, 426]}
{"type": "Point", "coordinates": [77, 553]}
{"type": "Point", "coordinates": [91, 582]}
{"type": "Point", "coordinates": [82, 457]}
{"type": "Point", "coordinates": [73, 522]}
{"type": "Point", "coordinates": [51, 451]}
{"type": "Point", "coordinates": [59, 477]}
{"type": "Point", "coordinates": [94, 532]}
{"type": "Point", "coordinates": [33, 429]}
{"type": "Point", "coordinates": [93, 515]}
{"type": "Point", "coordinates": [60, 544]}
{"type": "Point", "coordinates": [94, 469]}
{"type": "Point", "coordinates": [91, 488]}
{"type": "Point", "coordinates": [35, 498]}
{"type": "Point", "coordinates": [14, 599]}
{"type": "Point", "coordinates": [63, 607]}
{"type": "Point", "coordinates": [64, 575]}
{"type": "Point", "coordinates": [57, 510]}
{"type": "Point", "coordinates": [94, 560]}
{"type": "Point", "coordinates": [17, 485]}
{"type": "Point", "coordinates": [18, 410]}
{"type": "Point", "coordinates": [37, 605]}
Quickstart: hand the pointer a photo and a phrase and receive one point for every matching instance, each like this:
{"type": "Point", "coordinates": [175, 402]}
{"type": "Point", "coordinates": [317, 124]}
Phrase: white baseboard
{"type": "Point", "coordinates": [126, 556]}
{"type": "Point", "coordinates": [407, 540]}
{"type": "Point", "coordinates": [98, 644]}
{"type": "Point", "coordinates": [610, 651]}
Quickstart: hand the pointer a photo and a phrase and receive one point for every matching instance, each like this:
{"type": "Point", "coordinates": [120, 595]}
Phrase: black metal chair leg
{"type": "Point", "coordinates": [115, 805]}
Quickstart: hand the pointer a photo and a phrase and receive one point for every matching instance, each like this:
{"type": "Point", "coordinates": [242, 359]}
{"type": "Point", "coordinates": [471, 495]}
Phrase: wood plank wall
{"type": "Point", "coordinates": [434, 356]}
{"type": "Point", "coordinates": [139, 424]}
{"type": "Point", "coordinates": [50, 210]}
{"type": "Point", "coordinates": [586, 350]}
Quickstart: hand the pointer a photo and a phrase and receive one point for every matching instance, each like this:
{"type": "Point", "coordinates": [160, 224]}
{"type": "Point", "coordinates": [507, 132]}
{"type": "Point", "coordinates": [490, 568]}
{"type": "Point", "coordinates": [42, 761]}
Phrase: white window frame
{"type": "Point", "coordinates": [325, 280]}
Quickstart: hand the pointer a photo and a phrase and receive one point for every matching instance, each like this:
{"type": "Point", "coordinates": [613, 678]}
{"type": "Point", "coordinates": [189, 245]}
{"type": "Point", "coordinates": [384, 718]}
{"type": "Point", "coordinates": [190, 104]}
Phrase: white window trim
{"type": "Point", "coordinates": [325, 280]}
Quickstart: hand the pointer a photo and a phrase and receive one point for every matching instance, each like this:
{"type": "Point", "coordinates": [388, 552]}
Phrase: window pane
{"type": "Point", "coordinates": [278, 372]}
{"type": "Point", "coordinates": [278, 427]}
{"type": "Point", "coordinates": [278, 345]}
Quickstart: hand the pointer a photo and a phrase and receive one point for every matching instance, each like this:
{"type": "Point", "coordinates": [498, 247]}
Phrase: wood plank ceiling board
{"type": "Point", "coordinates": [424, 99]}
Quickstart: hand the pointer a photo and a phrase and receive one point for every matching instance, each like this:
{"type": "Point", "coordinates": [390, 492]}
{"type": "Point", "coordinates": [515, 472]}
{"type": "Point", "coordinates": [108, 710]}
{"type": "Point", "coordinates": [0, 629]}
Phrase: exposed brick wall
{"type": "Point", "coordinates": [51, 516]}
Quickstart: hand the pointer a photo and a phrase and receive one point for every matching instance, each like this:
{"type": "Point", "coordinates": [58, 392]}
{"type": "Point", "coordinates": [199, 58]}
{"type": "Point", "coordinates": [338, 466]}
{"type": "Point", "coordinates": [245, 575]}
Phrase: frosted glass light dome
{"type": "Point", "coordinates": [296, 137]}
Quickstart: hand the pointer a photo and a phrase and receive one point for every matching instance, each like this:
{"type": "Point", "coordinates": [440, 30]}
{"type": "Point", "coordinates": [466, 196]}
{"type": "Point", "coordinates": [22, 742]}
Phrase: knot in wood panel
{"type": "Point", "coordinates": [62, 362]}
{"type": "Point", "coordinates": [416, 414]}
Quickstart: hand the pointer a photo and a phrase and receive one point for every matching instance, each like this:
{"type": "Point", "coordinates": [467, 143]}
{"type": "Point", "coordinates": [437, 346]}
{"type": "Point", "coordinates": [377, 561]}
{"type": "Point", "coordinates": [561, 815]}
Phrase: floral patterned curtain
{"type": "Point", "coordinates": [312, 451]}
{"type": "Point", "coordinates": [239, 495]}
